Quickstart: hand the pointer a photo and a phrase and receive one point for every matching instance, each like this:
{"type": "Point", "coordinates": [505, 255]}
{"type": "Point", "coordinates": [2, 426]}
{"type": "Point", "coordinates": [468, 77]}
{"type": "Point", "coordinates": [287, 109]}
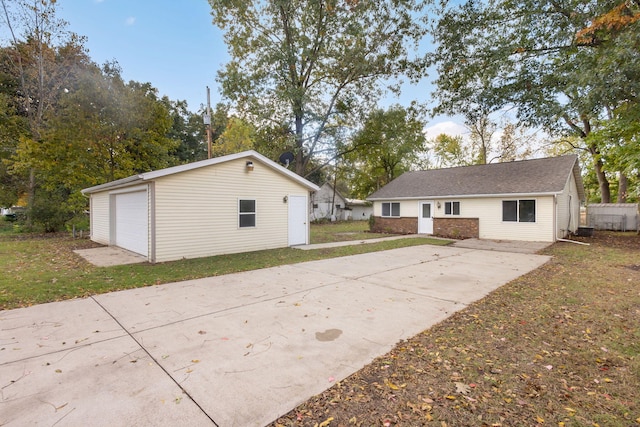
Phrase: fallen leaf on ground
{"type": "Point", "coordinates": [462, 388]}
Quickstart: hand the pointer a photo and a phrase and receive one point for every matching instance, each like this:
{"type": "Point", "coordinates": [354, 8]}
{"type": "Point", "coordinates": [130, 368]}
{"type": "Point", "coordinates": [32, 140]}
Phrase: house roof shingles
{"type": "Point", "coordinates": [537, 176]}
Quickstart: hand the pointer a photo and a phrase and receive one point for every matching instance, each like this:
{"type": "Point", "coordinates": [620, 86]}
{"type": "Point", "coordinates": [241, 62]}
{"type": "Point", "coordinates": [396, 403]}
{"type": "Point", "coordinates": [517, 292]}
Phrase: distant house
{"type": "Point", "coordinates": [328, 203]}
{"type": "Point", "coordinates": [236, 203]}
{"type": "Point", "coordinates": [530, 200]}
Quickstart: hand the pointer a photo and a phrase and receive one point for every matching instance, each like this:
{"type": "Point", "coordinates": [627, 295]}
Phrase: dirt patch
{"type": "Point", "coordinates": [627, 240]}
{"type": "Point", "coordinates": [559, 346]}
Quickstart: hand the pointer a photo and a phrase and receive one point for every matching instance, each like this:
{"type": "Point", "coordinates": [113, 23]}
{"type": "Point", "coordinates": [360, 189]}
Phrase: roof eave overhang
{"type": "Point", "coordinates": [467, 196]}
{"type": "Point", "coordinates": [150, 176]}
{"type": "Point", "coordinates": [125, 182]}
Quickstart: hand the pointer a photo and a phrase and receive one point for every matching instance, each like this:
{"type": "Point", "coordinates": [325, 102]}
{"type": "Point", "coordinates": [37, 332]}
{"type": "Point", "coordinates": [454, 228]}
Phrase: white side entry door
{"type": "Point", "coordinates": [425, 218]}
{"type": "Point", "coordinates": [298, 220]}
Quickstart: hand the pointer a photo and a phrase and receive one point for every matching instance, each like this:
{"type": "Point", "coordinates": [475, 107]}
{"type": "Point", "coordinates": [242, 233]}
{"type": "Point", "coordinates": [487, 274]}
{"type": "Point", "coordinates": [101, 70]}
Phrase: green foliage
{"type": "Point", "coordinates": [390, 143]}
{"type": "Point", "coordinates": [49, 213]}
{"type": "Point", "coordinates": [372, 222]}
{"type": "Point", "coordinates": [314, 65]}
{"type": "Point", "coordinates": [187, 130]}
{"type": "Point", "coordinates": [79, 222]}
{"type": "Point", "coordinates": [238, 136]}
{"type": "Point", "coordinates": [450, 151]}
{"type": "Point", "coordinates": [563, 66]}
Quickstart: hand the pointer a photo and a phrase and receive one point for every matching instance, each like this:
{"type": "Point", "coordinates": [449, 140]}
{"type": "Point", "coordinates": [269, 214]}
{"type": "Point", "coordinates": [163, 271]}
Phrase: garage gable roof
{"type": "Point", "coordinates": [249, 155]}
{"type": "Point", "coordinates": [536, 176]}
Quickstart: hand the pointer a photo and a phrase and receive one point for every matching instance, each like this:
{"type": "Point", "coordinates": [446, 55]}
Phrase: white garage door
{"type": "Point", "coordinates": [132, 222]}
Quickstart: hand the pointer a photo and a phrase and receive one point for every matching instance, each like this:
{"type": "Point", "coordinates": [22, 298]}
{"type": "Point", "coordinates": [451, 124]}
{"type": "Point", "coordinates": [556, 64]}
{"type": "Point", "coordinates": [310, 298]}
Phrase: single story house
{"type": "Point", "coordinates": [328, 203]}
{"type": "Point", "coordinates": [237, 203]}
{"type": "Point", "coordinates": [529, 200]}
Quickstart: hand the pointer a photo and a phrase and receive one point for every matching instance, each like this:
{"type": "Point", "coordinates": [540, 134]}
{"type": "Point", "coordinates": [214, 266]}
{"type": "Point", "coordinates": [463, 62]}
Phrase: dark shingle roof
{"type": "Point", "coordinates": [537, 176]}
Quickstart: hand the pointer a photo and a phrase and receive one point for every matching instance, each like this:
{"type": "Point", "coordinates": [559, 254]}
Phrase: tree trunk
{"type": "Point", "coordinates": [300, 158]}
{"type": "Point", "coordinates": [622, 188]}
{"type": "Point", "coordinates": [603, 182]}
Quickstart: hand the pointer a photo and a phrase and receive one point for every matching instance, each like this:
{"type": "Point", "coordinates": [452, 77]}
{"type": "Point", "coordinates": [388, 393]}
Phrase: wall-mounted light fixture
{"type": "Point", "coordinates": [439, 205]}
{"type": "Point", "coordinates": [249, 165]}
{"type": "Point", "coordinates": [285, 199]}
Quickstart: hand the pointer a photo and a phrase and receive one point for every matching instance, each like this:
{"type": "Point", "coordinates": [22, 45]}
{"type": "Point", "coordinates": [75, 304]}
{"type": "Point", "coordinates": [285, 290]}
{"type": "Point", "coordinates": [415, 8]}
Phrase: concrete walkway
{"type": "Point", "coordinates": [358, 242]}
{"type": "Point", "coordinates": [234, 350]}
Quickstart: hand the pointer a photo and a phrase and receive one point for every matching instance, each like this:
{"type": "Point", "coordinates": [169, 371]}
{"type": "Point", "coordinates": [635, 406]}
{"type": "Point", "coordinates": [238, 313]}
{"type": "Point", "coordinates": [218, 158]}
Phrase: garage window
{"type": "Point", "coordinates": [247, 213]}
{"type": "Point", "coordinates": [519, 210]}
{"type": "Point", "coordinates": [391, 209]}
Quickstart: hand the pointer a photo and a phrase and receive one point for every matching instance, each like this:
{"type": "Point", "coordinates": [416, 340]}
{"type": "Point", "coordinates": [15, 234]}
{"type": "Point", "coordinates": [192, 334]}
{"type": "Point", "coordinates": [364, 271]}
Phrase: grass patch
{"type": "Point", "coordinates": [559, 346]}
{"type": "Point", "coordinates": [43, 268]}
{"type": "Point", "coordinates": [340, 231]}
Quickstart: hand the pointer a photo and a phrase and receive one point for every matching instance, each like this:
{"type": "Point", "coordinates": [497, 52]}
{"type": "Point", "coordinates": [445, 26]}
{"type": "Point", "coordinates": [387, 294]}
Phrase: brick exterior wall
{"type": "Point", "coordinates": [456, 228]}
{"type": "Point", "coordinates": [403, 225]}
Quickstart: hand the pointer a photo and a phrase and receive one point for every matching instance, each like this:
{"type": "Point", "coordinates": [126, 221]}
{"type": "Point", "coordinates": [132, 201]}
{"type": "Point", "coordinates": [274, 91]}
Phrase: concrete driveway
{"type": "Point", "coordinates": [234, 350]}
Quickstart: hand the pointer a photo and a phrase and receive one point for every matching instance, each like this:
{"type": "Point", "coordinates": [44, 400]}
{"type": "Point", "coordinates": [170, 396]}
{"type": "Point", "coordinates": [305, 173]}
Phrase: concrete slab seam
{"type": "Point", "coordinates": [226, 309]}
{"type": "Point", "coordinates": [157, 363]}
{"type": "Point", "coordinates": [64, 350]}
{"type": "Point", "coordinates": [439, 258]}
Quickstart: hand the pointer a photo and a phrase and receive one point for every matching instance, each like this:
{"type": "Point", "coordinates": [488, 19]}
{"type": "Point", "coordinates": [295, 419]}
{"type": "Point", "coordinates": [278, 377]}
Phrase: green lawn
{"type": "Point", "coordinates": [340, 231]}
{"type": "Point", "coordinates": [38, 269]}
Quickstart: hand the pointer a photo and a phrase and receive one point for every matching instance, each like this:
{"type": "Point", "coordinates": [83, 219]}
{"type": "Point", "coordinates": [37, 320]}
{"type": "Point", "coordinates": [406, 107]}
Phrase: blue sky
{"type": "Point", "coordinates": [173, 45]}
{"type": "Point", "coordinates": [170, 43]}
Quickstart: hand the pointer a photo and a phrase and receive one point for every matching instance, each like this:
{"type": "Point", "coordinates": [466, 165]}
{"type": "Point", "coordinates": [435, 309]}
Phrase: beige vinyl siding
{"type": "Point", "coordinates": [568, 208]}
{"type": "Point", "coordinates": [489, 211]}
{"type": "Point", "coordinates": [100, 217]}
{"type": "Point", "coordinates": [196, 212]}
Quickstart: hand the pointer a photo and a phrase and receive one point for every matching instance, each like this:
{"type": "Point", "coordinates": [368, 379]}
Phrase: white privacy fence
{"type": "Point", "coordinates": [613, 216]}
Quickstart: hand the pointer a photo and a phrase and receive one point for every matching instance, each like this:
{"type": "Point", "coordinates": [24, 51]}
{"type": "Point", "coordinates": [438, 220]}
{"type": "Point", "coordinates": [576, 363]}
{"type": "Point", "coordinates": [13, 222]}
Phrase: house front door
{"type": "Point", "coordinates": [425, 218]}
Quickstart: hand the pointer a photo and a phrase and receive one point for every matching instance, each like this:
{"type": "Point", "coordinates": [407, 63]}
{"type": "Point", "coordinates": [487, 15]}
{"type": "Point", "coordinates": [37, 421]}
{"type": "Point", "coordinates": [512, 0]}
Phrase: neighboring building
{"type": "Point", "coordinates": [237, 203]}
{"type": "Point", "coordinates": [359, 210]}
{"type": "Point", "coordinates": [613, 216]}
{"type": "Point", "coordinates": [328, 203]}
{"type": "Point", "coordinates": [530, 200]}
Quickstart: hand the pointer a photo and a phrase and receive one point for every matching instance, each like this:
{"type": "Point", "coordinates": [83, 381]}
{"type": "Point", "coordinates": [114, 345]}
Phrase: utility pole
{"type": "Point", "coordinates": [207, 122]}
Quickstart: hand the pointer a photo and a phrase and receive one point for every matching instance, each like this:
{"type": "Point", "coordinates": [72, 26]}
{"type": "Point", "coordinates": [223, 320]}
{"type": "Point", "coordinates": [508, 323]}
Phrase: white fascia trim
{"type": "Point", "coordinates": [473, 196]}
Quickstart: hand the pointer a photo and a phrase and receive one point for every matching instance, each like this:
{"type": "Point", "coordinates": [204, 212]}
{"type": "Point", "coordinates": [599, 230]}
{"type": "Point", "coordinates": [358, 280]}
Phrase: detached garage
{"type": "Point", "coordinates": [237, 203]}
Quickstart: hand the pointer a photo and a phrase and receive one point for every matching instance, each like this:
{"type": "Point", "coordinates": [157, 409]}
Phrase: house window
{"type": "Point", "coordinates": [519, 210]}
{"type": "Point", "coordinates": [247, 213]}
{"type": "Point", "coordinates": [452, 208]}
{"type": "Point", "coordinates": [391, 209]}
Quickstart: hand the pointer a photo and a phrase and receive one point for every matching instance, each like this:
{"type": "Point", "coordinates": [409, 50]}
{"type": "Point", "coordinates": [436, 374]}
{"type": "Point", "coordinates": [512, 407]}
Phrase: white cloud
{"type": "Point", "coordinates": [449, 127]}
{"type": "Point", "coordinates": [130, 21]}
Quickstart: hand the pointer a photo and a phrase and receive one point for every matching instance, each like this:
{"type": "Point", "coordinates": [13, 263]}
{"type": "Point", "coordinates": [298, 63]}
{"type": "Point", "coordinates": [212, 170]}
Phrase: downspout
{"type": "Point", "coordinates": [555, 217]}
{"type": "Point", "coordinates": [570, 216]}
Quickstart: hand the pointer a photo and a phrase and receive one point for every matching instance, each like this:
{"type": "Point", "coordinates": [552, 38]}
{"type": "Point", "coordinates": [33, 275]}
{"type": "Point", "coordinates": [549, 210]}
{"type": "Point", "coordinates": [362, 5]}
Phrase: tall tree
{"type": "Point", "coordinates": [44, 58]}
{"type": "Point", "coordinates": [238, 136]}
{"type": "Point", "coordinates": [390, 143]}
{"type": "Point", "coordinates": [310, 63]}
{"type": "Point", "coordinates": [563, 65]}
{"type": "Point", "coordinates": [450, 151]}
{"type": "Point", "coordinates": [188, 130]}
{"type": "Point", "coordinates": [103, 129]}
{"type": "Point", "coordinates": [481, 129]}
